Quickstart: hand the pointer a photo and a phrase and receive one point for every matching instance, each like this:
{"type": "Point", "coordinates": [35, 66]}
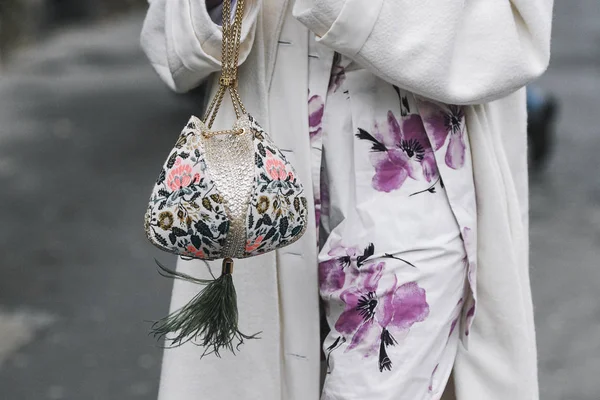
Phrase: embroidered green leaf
{"type": "Point", "coordinates": [203, 229]}
{"type": "Point", "coordinates": [267, 220]}
{"type": "Point", "coordinates": [195, 197]}
{"type": "Point", "coordinates": [261, 150]}
{"type": "Point", "coordinates": [206, 203]}
{"type": "Point", "coordinates": [178, 231]}
{"type": "Point", "coordinates": [163, 193]}
{"type": "Point", "coordinates": [196, 241]}
{"type": "Point", "coordinates": [197, 153]}
{"type": "Point", "coordinates": [161, 177]}
{"type": "Point", "coordinates": [258, 160]}
{"type": "Point", "coordinates": [171, 160]}
{"type": "Point", "coordinates": [224, 227]}
{"type": "Point", "coordinates": [270, 234]}
{"type": "Point", "coordinates": [184, 155]}
{"type": "Point", "coordinates": [172, 238]}
{"type": "Point", "coordinates": [297, 204]}
{"type": "Point", "coordinates": [296, 231]}
{"type": "Point", "coordinates": [264, 177]}
{"type": "Point", "coordinates": [283, 226]}
{"type": "Point", "coordinates": [250, 221]}
{"type": "Point", "coordinates": [161, 240]}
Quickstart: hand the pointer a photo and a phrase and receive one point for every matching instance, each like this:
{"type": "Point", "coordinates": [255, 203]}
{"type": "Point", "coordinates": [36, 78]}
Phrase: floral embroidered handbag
{"type": "Point", "coordinates": [222, 195]}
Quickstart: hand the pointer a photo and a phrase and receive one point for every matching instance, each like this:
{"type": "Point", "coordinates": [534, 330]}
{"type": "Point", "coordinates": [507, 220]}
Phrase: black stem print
{"type": "Point", "coordinates": [430, 189]}
{"type": "Point", "coordinates": [336, 345]}
{"type": "Point", "coordinates": [387, 255]}
{"type": "Point", "coordinates": [367, 254]}
{"type": "Point", "coordinates": [377, 145]}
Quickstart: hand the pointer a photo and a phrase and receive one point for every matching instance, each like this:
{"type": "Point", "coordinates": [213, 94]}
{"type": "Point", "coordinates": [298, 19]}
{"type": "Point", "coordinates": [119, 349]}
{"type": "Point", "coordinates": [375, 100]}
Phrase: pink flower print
{"type": "Point", "coordinates": [400, 152]}
{"type": "Point", "coordinates": [316, 107]}
{"type": "Point", "coordinates": [180, 175]}
{"type": "Point", "coordinates": [193, 252]}
{"type": "Point", "coordinates": [372, 317]}
{"type": "Point", "coordinates": [275, 167]}
{"type": "Point", "coordinates": [252, 245]}
{"type": "Point", "coordinates": [441, 122]}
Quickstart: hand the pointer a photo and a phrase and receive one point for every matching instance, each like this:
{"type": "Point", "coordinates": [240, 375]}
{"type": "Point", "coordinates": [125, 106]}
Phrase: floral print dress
{"type": "Point", "coordinates": [396, 213]}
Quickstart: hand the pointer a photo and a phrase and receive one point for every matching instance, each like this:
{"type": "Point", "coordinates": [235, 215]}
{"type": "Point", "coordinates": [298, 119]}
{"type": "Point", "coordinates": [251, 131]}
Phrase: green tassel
{"type": "Point", "coordinates": [209, 320]}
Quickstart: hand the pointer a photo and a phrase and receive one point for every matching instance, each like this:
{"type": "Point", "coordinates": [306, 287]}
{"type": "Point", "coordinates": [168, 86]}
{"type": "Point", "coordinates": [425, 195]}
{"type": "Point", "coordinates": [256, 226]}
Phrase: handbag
{"type": "Point", "coordinates": [221, 195]}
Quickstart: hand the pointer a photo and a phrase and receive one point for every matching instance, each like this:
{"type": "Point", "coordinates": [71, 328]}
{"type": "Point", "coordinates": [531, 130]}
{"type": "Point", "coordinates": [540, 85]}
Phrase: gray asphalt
{"type": "Point", "coordinates": [84, 127]}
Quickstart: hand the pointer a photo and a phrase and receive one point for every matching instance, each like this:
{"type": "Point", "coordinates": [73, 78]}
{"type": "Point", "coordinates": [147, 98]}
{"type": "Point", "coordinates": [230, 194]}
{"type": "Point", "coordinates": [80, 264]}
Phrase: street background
{"type": "Point", "coordinates": [85, 125]}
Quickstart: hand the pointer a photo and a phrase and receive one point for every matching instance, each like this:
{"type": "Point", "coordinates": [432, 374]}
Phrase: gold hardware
{"type": "Point", "coordinates": [227, 265]}
{"type": "Point", "coordinates": [209, 134]}
{"type": "Point", "coordinates": [232, 35]}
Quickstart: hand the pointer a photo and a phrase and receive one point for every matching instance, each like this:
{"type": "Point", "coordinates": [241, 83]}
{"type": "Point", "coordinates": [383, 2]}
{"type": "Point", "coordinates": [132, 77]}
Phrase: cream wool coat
{"type": "Point", "coordinates": [459, 52]}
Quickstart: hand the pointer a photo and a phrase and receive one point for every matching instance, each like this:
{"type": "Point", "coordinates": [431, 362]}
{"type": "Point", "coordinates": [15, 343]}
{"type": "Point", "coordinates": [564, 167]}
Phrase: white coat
{"type": "Point", "coordinates": [458, 52]}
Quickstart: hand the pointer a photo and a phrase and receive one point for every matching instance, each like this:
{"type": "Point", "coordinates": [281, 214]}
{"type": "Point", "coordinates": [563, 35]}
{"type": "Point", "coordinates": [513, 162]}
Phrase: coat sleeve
{"type": "Point", "coordinates": [183, 44]}
{"type": "Point", "coordinates": [456, 52]}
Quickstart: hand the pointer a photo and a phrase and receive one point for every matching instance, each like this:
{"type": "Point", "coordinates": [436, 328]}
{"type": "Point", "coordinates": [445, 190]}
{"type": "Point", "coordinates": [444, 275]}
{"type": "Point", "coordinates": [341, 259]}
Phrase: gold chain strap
{"type": "Point", "coordinates": [232, 35]}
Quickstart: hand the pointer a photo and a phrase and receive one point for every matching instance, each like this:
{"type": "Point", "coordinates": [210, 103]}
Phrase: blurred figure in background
{"type": "Point", "coordinates": [542, 109]}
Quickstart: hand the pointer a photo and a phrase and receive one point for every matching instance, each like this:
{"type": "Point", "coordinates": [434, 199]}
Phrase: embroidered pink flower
{"type": "Point", "coordinates": [374, 316]}
{"type": "Point", "coordinates": [316, 107]}
{"type": "Point", "coordinates": [441, 122]}
{"type": "Point", "coordinates": [275, 168]}
{"type": "Point", "coordinates": [193, 252]}
{"type": "Point", "coordinates": [252, 245]}
{"type": "Point", "coordinates": [180, 175]}
{"type": "Point", "coordinates": [400, 152]}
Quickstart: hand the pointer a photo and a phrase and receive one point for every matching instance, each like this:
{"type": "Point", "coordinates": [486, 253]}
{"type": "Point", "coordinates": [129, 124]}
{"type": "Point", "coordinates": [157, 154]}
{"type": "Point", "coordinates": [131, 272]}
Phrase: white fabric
{"type": "Point", "coordinates": [483, 54]}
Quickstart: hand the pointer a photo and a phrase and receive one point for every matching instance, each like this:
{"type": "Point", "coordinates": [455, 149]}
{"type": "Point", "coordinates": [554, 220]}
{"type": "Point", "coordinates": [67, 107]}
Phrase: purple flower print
{"type": "Point", "coordinates": [332, 273]}
{"type": "Point", "coordinates": [346, 261]}
{"type": "Point", "coordinates": [316, 107]}
{"type": "Point", "coordinates": [400, 152]}
{"type": "Point", "coordinates": [374, 315]}
{"type": "Point", "coordinates": [441, 122]}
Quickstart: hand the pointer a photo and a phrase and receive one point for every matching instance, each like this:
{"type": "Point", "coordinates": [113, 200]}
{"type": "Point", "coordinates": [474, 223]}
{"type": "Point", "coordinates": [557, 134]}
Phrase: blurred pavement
{"type": "Point", "coordinates": [84, 127]}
